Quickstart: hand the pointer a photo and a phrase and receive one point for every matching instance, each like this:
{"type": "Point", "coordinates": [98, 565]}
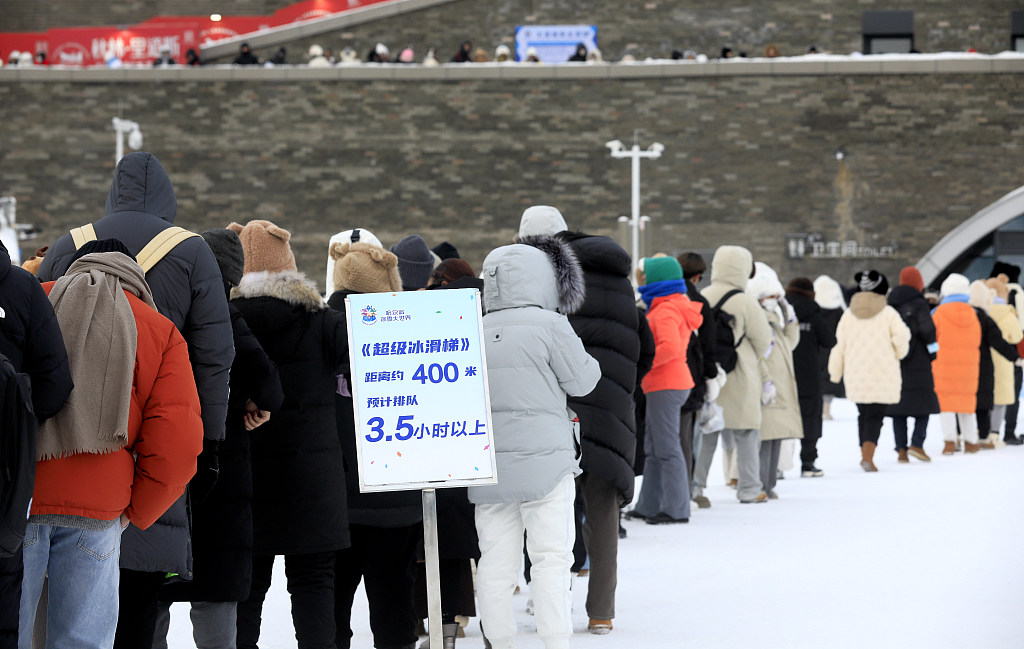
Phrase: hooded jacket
{"type": "Point", "coordinates": [917, 395]}
{"type": "Point", "coordinates": [829, 296]}
{"type": "Point", "coordinates": [956, 366]}
{"type": "Point", "coordinates": [740, 397]}
{"type": "Point", "coordinates": [534, 360]}
{"type": "Point", "coordinates": [298, 470]}
{"type": "Point", "coordinates": [187, 289]}
{"type": "Point", "coordinates": [165, 434]}
{"type": "Point", "coordinates": [673, 319]}
{"type": "Point", "coordinates": [816, 339]}
{"type": "Point", "coordinates": [607, 324]}
{"type": "Point", "coordinates": [31, 339]}
{"type": "Point", "coordinates": [870, 341]}
{"type": "Point", "coordinates": [781, 419]}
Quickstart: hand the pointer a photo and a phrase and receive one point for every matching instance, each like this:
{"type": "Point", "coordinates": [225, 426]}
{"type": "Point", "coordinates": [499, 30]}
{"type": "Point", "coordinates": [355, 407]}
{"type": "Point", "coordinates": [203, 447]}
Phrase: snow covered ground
{"type": "Point", "coordinates": [918, 555]}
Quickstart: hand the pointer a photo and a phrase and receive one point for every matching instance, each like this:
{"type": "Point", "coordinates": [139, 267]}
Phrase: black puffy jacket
{"type": "Point", "coordinates": [917, 395]}
{"type": "Point", "coordinates": [816, 338]}
{"type": "Point", "coordinates": [607, 325]}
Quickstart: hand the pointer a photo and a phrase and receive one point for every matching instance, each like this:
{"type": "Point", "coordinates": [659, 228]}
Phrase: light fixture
{"type": "Point", "coordinates": [216, 17]}
{"type": "Point", "coordinates": [127, 127]}
{"type": "Point", "coordinates": [840, 153]}
{"type": "Point", "coordinates": [615, 145]}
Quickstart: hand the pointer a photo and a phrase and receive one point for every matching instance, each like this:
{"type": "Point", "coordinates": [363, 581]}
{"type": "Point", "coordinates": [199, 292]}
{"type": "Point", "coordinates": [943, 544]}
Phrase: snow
{"type": "Point", "coordinates": [918, 555]}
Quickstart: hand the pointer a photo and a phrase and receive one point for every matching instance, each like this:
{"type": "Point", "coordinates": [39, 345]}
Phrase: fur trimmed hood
{"type": "Point", "coordinates": [540, 271]}
{"type": "Point", "coordinates": [289, 286]}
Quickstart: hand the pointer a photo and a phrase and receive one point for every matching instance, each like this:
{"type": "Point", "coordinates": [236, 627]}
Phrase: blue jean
{"type": "Point", "coordinates": [83, 569]}
{"type": "Point", "coordinates": [899, 431]}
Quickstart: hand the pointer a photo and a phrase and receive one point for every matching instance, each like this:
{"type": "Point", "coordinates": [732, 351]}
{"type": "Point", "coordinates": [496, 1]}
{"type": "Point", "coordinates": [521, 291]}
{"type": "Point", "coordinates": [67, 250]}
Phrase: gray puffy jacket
{"type": "Point", "coordinates": [534, 359]}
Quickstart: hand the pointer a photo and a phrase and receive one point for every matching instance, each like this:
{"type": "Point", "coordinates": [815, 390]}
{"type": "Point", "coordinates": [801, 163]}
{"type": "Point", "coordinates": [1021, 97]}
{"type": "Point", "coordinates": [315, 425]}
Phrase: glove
{"type": "Point", "coordinates": [788, 314]}
{"type": "Point", "coordinates": [711, 390]}
{"type": "Point", "coordinates": [207, 471]}
{"type": "Point", "coordinates": [769, 394]}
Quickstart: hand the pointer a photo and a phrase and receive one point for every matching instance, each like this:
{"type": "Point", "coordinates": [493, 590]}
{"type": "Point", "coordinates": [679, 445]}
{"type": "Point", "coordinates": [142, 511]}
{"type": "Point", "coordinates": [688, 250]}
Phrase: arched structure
{"type": "Point", "coordinates": [978, 238]}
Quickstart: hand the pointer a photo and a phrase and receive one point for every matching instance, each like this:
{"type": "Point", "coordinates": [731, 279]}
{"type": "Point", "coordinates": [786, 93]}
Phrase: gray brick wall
{"type": "Point", "coordinates": [748, 158]}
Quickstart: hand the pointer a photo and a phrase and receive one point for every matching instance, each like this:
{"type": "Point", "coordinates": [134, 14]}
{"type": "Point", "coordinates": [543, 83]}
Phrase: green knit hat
{"type": "Point", "coordinates": [657, 269]}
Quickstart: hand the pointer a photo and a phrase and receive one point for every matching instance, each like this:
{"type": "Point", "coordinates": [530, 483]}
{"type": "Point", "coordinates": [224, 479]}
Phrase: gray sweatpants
{"type": "Point", "coordinates": [747, 459]}
{"type": "Point", "coordinates": [666, 485]}
{"type": "Point", "coordinates": [213, 625]}
{"type": "Point", "coordinates": [770, 451]}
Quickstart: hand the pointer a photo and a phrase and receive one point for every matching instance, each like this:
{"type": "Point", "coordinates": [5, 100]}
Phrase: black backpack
{"type": "Point", "coordinates": [17, 456]}
{"type": "Point", "coordinates": [725, 343]}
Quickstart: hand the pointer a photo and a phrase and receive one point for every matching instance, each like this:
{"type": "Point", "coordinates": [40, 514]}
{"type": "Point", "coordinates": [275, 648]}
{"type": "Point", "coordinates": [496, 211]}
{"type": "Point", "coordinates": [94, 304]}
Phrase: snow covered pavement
{"type": "Point", "coordinates": [918, 555]}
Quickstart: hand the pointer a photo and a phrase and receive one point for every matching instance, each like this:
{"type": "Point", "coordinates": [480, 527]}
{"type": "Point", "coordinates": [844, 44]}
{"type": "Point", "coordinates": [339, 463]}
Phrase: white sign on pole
{"type": "Point", "coordinates": [554, 43]}
{"type": "Point", "coordinates": [419, 390]}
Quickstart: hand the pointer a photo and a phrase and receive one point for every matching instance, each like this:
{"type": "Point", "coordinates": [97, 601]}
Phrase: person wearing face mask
{"type": "Point", "coordinates": [780, 410]}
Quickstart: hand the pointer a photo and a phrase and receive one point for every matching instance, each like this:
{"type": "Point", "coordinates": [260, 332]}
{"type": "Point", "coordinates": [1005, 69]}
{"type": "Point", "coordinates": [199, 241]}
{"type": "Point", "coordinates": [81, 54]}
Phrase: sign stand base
{"type": "Point", "coordinates": [433, 568]}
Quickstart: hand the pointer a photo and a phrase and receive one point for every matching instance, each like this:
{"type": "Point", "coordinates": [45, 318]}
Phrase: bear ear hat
{"type": "Point", "coordinates": [338, 250]}
{"type": "Point", "coordinates": [280, 233]}
{"type": "Point", "coordinates": [235, 227]}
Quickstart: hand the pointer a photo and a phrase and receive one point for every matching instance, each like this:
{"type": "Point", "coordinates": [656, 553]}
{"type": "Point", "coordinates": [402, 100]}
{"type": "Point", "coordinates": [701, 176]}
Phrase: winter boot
{"type": "Point", "coordinates": [918, 453]}
{"type": "Point", "coordinates": [599, 627]}
{"type": "Point", "coordinates": [949, 448]}
{"type": "Point", "coordinates": [971, 448]}
{"type": "Point", "coordinates": [902, 456]}
{"type": "Point", "coordinates": [988, 443]}
{"type": "Point", "coordinates": [702, 502]}
{"type": "Point", "coordinates": [867, 455]}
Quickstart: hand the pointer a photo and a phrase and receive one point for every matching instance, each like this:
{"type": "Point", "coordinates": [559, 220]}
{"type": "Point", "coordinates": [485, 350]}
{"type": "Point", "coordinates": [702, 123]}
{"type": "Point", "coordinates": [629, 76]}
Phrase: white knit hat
{"type": "Point", "coordinates": [955, 284]}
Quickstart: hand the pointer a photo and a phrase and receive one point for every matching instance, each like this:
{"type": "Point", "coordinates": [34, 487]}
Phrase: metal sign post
{"type": "Point", "coordinates": [430, 553]}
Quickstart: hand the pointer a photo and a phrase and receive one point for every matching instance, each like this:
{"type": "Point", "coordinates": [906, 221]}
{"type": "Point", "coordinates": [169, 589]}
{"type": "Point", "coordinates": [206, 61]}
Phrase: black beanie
{"type": "Point", "coordinates": [871, 281]}
{"type": "Point", "coordinates": [227, 249]}
{"type": "Point", "coordinates": [445, 250]}
{"type": "Point", "coordinates": [1010, 270]}
{"type": "Point", "coordinates": [101, 245]}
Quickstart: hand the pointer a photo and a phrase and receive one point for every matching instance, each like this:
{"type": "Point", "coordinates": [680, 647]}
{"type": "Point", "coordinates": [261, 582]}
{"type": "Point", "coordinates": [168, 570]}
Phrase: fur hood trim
{"type": "Point", "coordinates": [288, 285]}
{"type": "Point", "coordinates": [568, 273]}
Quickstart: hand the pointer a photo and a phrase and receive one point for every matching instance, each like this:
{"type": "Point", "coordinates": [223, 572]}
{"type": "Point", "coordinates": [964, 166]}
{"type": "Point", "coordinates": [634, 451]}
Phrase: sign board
{"type": "Point", "coordinates": [419, 390]}
{"type": "Point", "coordinates": [554, 43]}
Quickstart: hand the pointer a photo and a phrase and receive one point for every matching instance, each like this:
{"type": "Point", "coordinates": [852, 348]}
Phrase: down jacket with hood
{"type": "Point", "coordinates": [917, 396]}
{"type": "Point", "coordinates": [188, 291]}
{"type": "Point", "coordinates": [829, 296]}
{"type": "Point", "coordinates": [607, 324]}
{"type": "Point", "coordinates": [534, 360]}
{"type": "Point", "coordinates": [956, 366]}
{"type": "Point", "coordinates": [740, 397]}
{"type": "Point", "coordinates": [870, 341]}
{"type": "Point", "coordinates": [781, 418]}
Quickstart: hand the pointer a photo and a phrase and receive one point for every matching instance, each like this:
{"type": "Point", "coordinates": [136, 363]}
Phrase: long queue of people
{"type": "Point", "coordinates": [188, 406]}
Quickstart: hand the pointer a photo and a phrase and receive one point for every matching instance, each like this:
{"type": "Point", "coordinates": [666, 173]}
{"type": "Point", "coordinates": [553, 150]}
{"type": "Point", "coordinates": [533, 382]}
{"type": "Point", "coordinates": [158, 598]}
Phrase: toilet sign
{"type": "Point", "coordinates": [419, 390]}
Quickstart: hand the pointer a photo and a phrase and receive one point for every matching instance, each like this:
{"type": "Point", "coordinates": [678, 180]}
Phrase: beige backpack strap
{"type": "Point", "coordinates": [83, 235]}
{"type": "Point", "coordinates": [160, 245]}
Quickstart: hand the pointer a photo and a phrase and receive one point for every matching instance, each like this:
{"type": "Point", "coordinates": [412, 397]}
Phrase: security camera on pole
{"type": "Point", "coordinates": [122, 127]}
{"type": "Point", "coordinates": [618, 150]}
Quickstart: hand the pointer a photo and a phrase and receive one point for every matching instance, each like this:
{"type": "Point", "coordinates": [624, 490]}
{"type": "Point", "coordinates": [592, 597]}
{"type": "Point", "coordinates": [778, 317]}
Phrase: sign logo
{"type": "Point", "coordinates": [369, 315]}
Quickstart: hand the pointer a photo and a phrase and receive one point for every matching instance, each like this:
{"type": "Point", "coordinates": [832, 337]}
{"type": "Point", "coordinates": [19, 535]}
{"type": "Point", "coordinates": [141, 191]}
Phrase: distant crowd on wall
{"type": "Point", "coordinates": [319, 56]}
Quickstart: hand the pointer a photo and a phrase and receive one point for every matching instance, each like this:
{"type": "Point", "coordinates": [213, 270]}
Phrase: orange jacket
{"type": "Point", "coordinates": [165, 435]}
{"type": "Point", "coordinates": [956, 367]}
{"type": "Point", "coordinates": [672, 319]}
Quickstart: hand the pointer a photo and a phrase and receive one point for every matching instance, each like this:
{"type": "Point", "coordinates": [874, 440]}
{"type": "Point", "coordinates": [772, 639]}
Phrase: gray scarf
{"type": "Point", "coordinates": [101, 338]}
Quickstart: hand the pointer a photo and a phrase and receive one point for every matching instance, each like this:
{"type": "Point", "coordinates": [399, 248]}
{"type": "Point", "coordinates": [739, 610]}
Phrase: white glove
{"type": "Point", "coordinates": [712, 389]}
{"type": "Point", "coordinates": [788, 314]}
{"type": "Point", "coordinates": [769, 394]}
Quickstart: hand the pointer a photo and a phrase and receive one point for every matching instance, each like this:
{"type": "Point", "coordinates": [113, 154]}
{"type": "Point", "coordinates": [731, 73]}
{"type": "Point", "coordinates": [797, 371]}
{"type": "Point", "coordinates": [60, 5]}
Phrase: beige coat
{"type": "Point", "coordinates": [740, 398]}
{"type": "Point", "coordinates": [870, 341]}
{"type": "Point", "coordinates": [781, 420]}
{"type": "Point", "coordinates": [1006, 317]}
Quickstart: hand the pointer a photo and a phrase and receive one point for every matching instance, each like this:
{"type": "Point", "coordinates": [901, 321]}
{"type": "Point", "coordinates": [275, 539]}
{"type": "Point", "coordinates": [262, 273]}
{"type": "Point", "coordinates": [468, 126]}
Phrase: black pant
{"type": "Point", "coordinates": [311, 586]}
{"type": "Point", "coordinates": [687, 419]}
{"type": "Point", "coordinates": [869, 421]}
{"type": "Point", "coordinates": [899, 429]}
{"type": "Point", "coordinates": [456, 589]}
{"type": "Point", "coordinates": [984, 418]}
{"type": "Point", "coordinates": [137, 608]}
{"type": "Point", "coordinates": [810, 414]}
{"type": "Point", "coordinates": [10, 599]}
{"type": "Point", "coordinates": [1014, 408]}
{"type": "Point", "coordinates": [385, 558]}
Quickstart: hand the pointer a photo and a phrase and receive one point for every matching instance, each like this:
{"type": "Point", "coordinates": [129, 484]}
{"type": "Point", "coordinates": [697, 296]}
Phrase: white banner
{"type": "Point", "coordinates": [419, 390]}
{"type": "Point", "coordinates": [554, 43]}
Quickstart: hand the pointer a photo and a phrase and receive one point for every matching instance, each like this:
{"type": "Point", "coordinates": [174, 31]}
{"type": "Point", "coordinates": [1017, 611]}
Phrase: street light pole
{"type": "Point", "coordinates": [653, 152]}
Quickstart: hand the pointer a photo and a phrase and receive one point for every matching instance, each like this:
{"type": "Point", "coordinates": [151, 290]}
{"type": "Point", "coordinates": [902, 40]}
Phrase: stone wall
{"type": "Point", "coordinates": [749, 158]}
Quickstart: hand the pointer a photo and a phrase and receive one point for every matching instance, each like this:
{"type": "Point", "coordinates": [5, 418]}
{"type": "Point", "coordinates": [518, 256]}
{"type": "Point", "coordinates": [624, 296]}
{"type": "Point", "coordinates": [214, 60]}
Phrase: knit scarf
{"type": "Point", "coordinates": [660, 289]}
{"type": "Point", "coordinates": [101, 338]}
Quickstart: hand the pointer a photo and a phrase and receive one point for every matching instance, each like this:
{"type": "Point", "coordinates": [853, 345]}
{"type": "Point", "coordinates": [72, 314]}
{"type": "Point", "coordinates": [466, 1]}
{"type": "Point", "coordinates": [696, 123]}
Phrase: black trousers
{"type": "Point", "coordinates": [810, 414]}
{"type": "Point", "coordinates": [456, 589]}
{"type": "Point", "coordinates": [984, 418]}
{"type": "Point", "coordinates": [869, 421]}
{"type": "Point", "coordinates": [10, 599]}
{"type": "Point", "coordinates": [1014, 408]}
{"type": "Point", "coordinates": [384, 558]}
{"type": "Point", "coordinates": [311, 586]}
{"type": "Point", "coordinates": [137, 608]}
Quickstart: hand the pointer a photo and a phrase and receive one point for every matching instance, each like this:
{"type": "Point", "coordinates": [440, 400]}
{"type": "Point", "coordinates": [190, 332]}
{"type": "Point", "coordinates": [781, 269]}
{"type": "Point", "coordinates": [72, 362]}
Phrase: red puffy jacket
{"type": "Point", "coordinates": [672, 319]}
{"type": "Point", "coordinates": [165, 435]}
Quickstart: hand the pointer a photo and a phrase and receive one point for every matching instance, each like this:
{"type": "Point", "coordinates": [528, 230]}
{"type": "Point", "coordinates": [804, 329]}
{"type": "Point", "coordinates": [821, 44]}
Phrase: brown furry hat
{"type": "Point", "coordinates": [1000, 284]}
{"type": "Point", "coordinates": [266, 246]}
{"type": "Point", "coordinates": [364, 268]}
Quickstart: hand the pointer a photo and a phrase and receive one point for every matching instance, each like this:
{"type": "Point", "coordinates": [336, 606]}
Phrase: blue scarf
{"type": "Point", "coordinates": [956, 297]}
{"type": "Point", "coordinates": [660, 289]}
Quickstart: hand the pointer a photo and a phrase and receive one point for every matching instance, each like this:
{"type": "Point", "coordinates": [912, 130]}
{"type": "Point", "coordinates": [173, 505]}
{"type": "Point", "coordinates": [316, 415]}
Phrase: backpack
{"type": "Point", "coordinates": [725, 342]}
{"type": "Point", "coordinates": [17, 456]}
{"type": "Point", "coordinates": [164, 242]}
